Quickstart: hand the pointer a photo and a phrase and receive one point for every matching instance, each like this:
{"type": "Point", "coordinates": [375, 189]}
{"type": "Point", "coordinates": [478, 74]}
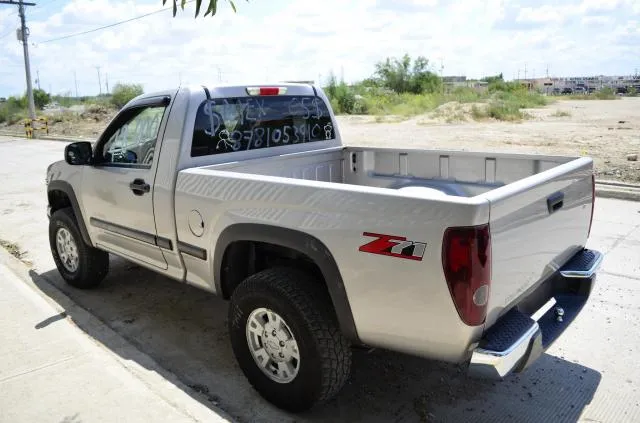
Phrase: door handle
{"type": "Point", "coordinates": [555, 202]}
{"type": "Point", "coordinates": [139, 186]}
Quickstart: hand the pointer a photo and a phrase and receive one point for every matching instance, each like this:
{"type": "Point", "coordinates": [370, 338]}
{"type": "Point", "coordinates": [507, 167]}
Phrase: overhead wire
{"type": "Point", "coordinates": [108, 26]}
{"type": "Point", "coordinates": [4, 35]}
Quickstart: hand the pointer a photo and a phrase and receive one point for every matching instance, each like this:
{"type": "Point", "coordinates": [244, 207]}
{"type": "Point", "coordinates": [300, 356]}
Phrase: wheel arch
{"type": "Point", "coordinates": [300, 242]}
{"type": "Point", "coordinates": [60, 194]}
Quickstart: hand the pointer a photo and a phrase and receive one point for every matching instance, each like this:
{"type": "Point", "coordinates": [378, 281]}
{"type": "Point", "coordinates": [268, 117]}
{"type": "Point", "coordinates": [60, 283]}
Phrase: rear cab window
{"type": "Point", "coordinates": [227, 125]}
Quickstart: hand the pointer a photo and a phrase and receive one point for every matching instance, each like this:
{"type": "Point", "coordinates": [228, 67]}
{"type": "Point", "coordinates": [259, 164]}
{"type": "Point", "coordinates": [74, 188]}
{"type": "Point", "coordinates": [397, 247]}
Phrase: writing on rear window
{"type": "Point", "coordinates": [226, 125]}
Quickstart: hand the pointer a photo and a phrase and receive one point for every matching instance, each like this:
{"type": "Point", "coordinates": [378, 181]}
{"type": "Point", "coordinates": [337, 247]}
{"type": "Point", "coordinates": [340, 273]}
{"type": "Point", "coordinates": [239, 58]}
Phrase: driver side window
{"type": "Point", "coordinates": [134, 142]}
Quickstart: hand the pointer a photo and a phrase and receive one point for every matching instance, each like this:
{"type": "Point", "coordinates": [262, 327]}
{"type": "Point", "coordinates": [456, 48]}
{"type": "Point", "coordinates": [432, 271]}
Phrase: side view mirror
{"type": "Point", "coordinates": [78, 153]}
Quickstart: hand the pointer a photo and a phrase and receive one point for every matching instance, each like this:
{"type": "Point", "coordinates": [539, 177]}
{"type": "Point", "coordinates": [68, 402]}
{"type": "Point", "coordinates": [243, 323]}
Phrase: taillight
{"type": "Point", "coordinates": [266, 90]}
{"type": "Point", "coordinates": [593, 201]}
{"type": "Point", "coordinates": [466, 260]}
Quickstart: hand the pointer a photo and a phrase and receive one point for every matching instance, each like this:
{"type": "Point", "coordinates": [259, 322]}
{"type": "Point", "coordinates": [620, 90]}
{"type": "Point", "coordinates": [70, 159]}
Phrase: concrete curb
{"type": "Point", "coordinates": [160, 381]}
{"type": "Point", "coordinates": [45, 137]}
{"type": "Point", "coordinates": [618, 191]}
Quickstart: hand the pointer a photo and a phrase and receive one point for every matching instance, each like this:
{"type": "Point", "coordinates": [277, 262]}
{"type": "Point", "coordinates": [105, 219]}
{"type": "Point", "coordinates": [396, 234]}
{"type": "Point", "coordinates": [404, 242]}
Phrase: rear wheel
{"type": "Point", "coordinates": [286, 339]}
{"type": "Point", "coordinates": [80, 264]}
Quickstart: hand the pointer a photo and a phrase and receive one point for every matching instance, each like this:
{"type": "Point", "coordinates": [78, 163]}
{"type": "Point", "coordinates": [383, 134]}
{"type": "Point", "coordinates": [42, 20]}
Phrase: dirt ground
{"type": "Point", "coordinates": [607, 130]}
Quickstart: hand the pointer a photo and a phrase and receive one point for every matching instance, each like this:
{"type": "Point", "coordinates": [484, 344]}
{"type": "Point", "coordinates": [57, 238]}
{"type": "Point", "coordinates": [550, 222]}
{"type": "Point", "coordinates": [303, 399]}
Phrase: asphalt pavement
{"type": "Point", "coordinates": [179, 334]}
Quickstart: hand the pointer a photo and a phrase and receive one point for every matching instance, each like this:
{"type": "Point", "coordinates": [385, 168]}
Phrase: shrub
{"type": "Point", "coordinates": [522, 98]}
{"type": "Point", "coordinates": [606, 94]}
{"type": "Point", "coordinates": [98, 108]}
{"type": "Point", "coordinates": [500, 85]}
{"type": "Point", "coordinates": [123, 93]}
{"type": "Point", "coordinates": [479, 112]}
{"type": "Point", "coordinates": [504, 110]}
{"type": "Point", "coordinates": [344, 99]}
{"type": "Point", "coordinates": [465, 95]}
{"type": "Point", "coordinates": [408, 76]}
{"type": "Point", "coordinates": [41, 98]}
{"type": "Point", "coordinates": [13, 110]}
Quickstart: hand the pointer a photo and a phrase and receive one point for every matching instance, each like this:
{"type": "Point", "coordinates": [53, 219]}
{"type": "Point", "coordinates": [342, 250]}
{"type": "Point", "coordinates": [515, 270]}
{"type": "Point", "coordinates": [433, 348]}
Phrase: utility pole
{"type": "Point", "coordinates": [547, 71]}
{"type": "Point", "coordinates": [76, 82]}
{"type": "Point", "coordinates": [38, 77]}
{"type": "Point", "coordinates": [106, 77]}
{"type": "Point", "coordinates": [525, 71]}
{"type": "Point", "coordinates": [23, 34]}
{"type": "Point", "coordinates": [27, 65]}
{"type": "Point", "coordinates": [442, 74]}
{"type": "Point", "coordinates": [99, 80]}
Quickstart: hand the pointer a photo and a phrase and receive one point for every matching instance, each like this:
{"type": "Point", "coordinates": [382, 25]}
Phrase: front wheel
{"type": "Point", "coordinates": [80, 264]}
{"type": "Point", "coordinates": [286, 339]}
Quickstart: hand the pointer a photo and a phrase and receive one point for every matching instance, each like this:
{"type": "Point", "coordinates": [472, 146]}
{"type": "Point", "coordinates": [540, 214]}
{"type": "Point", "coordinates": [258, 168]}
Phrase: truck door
{"type": "Point", "coordinates": [117, 191]}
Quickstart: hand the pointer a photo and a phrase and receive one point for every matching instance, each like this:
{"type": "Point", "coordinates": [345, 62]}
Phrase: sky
{"type": "Point", "coordinates": [276, 40]}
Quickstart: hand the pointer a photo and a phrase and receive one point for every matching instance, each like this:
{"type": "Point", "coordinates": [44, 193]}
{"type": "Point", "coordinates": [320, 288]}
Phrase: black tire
{"type": "Point", "coordinates": [325, 354]}
{"type": "Point", "coordinates": [93, 264]}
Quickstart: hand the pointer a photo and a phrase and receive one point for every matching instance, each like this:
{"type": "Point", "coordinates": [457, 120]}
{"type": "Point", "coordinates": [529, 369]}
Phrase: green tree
{"type": "Point", "coordinates": [494, 79]}
{"type": "Point", "coordinates": [212, 7]}
{"type": "Point", "coordinates": [332, 85]}
{"type": "Point", "coordinates": [123, 93]}
{"type": "Point", "coordinates": [407, 76]}
{"type": "Point", "coordinates": [41, 98]}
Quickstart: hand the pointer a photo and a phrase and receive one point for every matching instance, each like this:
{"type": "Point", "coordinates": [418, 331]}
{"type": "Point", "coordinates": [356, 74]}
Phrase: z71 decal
{"type": "Point", "coordinates": [394, 246]}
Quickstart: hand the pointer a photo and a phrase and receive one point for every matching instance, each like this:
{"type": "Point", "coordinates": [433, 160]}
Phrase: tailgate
{"type": "Point", "coordinates": [537, 224]}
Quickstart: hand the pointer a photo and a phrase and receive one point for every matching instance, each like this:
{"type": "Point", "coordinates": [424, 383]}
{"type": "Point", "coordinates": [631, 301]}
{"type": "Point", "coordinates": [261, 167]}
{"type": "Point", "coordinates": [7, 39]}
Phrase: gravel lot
{"type": "Point", "coordinates": [606, 130]}
{"type": "Point", "coordinates": [590, 374]}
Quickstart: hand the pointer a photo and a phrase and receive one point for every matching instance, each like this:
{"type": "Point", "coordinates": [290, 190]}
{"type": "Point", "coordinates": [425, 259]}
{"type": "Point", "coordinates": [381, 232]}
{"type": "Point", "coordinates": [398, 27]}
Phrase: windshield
{"type": "Point", "coordinates": [226, 125]}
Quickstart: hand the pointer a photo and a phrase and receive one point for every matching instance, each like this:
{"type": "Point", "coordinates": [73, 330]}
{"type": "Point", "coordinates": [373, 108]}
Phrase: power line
{"type": "Point", "coordinates": [109, 26]}
{"type": "Point", "coordinates": [46, 3]}
{"type": "Point", "coordinates": [4, 35]}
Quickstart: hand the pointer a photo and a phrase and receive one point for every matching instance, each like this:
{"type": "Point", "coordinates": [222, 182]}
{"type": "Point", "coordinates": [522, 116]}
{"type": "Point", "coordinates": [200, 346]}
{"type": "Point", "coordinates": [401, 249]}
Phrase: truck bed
{"type": "Point", "coordinates": [529, 240]}
{"type": "Point", "coordinates": [456, 173]}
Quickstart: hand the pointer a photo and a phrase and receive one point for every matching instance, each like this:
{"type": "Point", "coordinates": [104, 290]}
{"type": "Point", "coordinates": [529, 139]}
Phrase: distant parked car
{"type": "Point", "coordinates": [580, 90]}
{"type": "Point", "coordinates": [591, 90]}
{"type": "Point", "coordinates": [567, 90]}
{"type": "Point", "coordinates": [621, 90]}
{"type": "Point", "coordinates": [556, 91]}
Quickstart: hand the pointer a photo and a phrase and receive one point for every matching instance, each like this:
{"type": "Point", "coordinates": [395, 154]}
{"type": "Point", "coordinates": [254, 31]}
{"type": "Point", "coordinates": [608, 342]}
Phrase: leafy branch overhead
{"type": "Point", "coordinates": [211, 9]}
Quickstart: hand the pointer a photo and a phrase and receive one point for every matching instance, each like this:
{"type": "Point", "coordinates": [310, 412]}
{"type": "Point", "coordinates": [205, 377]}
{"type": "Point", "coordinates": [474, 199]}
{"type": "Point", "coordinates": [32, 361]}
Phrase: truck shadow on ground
{"type": "Point", "coordinates": [184, 331]}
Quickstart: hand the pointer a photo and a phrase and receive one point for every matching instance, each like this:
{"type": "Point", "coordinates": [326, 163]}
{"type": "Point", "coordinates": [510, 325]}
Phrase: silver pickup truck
{"type": "Point", "coordinates": [248, 192]}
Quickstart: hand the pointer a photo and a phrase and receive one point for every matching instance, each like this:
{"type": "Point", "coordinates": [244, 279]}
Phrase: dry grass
{"type": "Point", "coordinates": [12, 248]}
{"type": "Point", "coordinates": [561, 113]}
{"type": "Point", "coordinates": [15, 250]}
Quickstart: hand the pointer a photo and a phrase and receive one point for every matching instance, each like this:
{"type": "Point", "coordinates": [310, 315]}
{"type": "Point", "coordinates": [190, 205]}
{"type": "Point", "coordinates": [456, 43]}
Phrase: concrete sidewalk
{"type": "Point", "coordinates": [51, 371]}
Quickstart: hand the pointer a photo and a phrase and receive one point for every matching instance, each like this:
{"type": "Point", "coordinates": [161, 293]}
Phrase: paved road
{"type": "Point", "coordinates": [590, 374]}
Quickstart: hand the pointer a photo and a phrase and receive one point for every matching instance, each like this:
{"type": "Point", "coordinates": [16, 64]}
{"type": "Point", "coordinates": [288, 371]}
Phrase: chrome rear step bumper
{"type": "Point", "coordinates": [520, 336]}
{"type": "Point", "coordinates": [582, 265]}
